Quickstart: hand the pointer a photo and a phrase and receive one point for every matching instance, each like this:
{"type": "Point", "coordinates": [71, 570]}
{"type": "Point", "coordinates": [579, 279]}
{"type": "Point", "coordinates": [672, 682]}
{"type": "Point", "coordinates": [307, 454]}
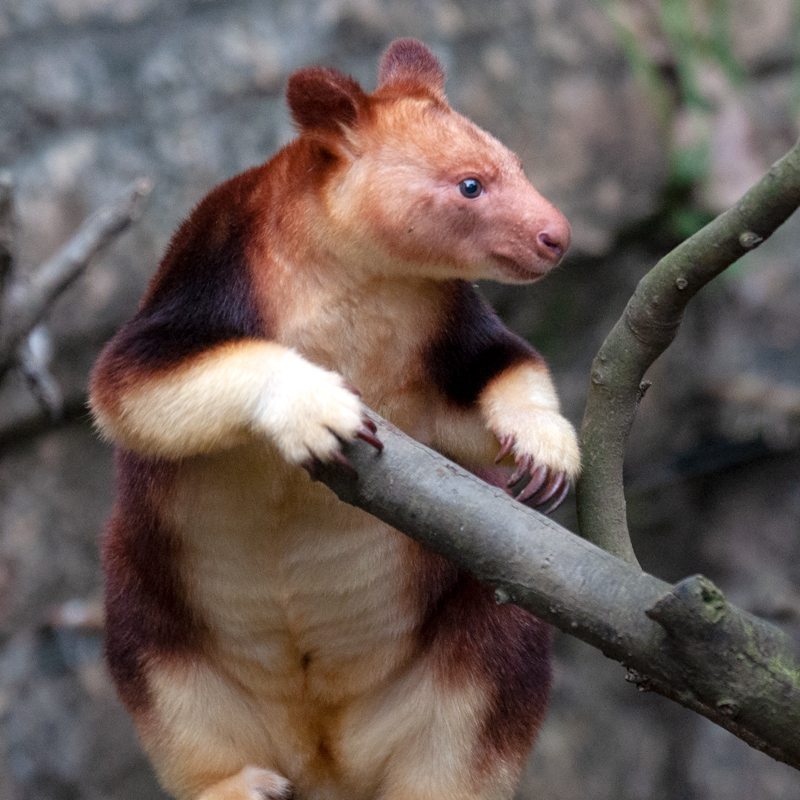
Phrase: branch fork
{"type": "Point", "coordinates": [26, 299]}
{"type": "Point", "coordinates": [647, 327]}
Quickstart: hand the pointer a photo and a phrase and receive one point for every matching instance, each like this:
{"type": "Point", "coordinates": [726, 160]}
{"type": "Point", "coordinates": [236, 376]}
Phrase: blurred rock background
{"type": "Point", "coordinates": [639, 118]}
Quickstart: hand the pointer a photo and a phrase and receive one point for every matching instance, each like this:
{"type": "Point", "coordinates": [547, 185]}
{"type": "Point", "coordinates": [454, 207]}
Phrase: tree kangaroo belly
{"type": "Point", "coordinates": [300, 592]}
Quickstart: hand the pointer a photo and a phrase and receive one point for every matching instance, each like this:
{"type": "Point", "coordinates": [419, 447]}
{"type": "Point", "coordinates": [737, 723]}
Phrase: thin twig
{"type": "Point", "coordinates": [647, 327]}
{"type": "Point", "coordinates": [28, 299]}
{"type": "Point", "coordinates": [35, 357]}
{"type": "Point", "coordinates": [28, 423]}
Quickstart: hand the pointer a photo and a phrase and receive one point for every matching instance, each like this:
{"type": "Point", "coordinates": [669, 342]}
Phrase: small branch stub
{"type": "Point", "coordinates": [735, 662]}
{"type": "Point", "coordinates": [694, 603]}
{"type": "Point", "coordinates": [749, 240]}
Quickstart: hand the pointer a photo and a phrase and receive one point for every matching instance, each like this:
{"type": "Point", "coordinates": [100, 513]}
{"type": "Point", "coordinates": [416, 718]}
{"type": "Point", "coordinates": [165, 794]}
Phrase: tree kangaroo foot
{"type": "Point", "coordinates": [251, 783]}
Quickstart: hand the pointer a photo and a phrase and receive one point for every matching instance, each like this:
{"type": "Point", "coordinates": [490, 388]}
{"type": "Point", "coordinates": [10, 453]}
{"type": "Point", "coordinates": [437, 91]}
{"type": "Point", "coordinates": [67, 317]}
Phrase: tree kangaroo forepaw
{"type": "Point", "coordinates": [533, 482]}
{"type": "Point", "coordinates": [314, 465]}
{"type": "Point", "coordinates": [546, 488]}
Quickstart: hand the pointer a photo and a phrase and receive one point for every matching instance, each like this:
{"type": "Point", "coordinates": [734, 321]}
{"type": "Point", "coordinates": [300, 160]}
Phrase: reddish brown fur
{"type": "Point", "coordinates": [505, 648]}
{"type": "Point", "coordinates": [147, 614]}
{"type": "Point", "coordinates": [472, 346]}
{"type": "Point", "coordinates": [324, 99]}
{"type": "Point", "coordinates": [258, 629]}
{"type": "Point", "coordinates": [406, 65]}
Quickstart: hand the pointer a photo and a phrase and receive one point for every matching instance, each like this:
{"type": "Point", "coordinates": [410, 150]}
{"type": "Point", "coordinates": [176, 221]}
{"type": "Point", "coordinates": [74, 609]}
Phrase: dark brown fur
{"type": "Point", "coordinates": [147, 615]}
{"type": "Point", "coordinates": [472, 347]}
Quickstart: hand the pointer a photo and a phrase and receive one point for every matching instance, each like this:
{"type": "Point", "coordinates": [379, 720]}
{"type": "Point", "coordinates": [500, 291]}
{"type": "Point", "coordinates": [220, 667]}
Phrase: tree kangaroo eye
{"type": "Point", "coordinates": [470, 188]}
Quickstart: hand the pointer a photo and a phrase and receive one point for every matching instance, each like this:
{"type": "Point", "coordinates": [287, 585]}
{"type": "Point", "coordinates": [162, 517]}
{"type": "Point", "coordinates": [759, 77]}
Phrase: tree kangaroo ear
{"type": "Point", "coordinates": [324, 99]}
{"type": "Point", "coordinates": [410, 61]}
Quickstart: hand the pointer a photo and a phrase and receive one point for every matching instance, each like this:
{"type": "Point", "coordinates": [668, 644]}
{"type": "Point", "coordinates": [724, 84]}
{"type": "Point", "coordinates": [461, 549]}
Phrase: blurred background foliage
{"type": "Point", "coordinates": [683, 53]}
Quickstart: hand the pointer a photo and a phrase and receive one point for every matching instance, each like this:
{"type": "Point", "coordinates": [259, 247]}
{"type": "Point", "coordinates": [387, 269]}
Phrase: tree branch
{"type": "Point", "coordinates": [27, 299]}
{"type": "Point", "coordinates": [684, 642]}
{"type": "Point", "coordinates": [8, 227]}
{"type": "Point", "coordinates": [647, 327]}
{"type": "Point", "coordinates": [34, 357]}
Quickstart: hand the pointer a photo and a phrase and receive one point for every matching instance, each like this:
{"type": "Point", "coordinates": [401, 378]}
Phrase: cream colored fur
{"type": "Point", "coordinates": [221, 398]}
{"type": "Point", "coordinates": [251, 782]}
{"type": "Point", "coordinates": [522, 403]}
